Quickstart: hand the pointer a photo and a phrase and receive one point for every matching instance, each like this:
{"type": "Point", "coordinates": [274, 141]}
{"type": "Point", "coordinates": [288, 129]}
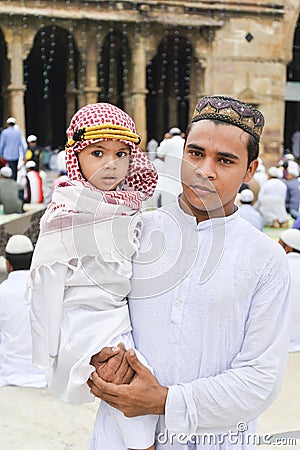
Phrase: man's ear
{"type": "Point", "coordinates": [251, 171]}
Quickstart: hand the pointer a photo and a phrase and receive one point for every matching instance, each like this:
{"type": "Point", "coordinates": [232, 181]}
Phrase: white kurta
{"type": "Point", "coordinates": [15, 337]}
{"type": "Point", "coordinates": [209, 311]}
{"type": "Point", "coordinates": [294, 263]}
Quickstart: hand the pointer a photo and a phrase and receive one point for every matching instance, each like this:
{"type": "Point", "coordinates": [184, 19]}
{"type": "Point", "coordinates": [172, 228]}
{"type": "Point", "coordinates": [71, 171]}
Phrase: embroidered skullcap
{"type": "Point", "coordinates": [18, 244]}
{"type": "Point", "coordinates": [11, 120]}
{"type": "Point", "coordinates": [291, 238]}
{"type": "Point", "coordinates": [6, 172]}
{"type": "Point", "coordinates": [175, 131]}
{"type": "Point", "coordinates": [247, 196]}
{"type": "Point", "coordinates": [232, 111]}
{"type": "Point", "coordinates": [31, 138]}
{"type": "Point", "coordinates": [102, 121]}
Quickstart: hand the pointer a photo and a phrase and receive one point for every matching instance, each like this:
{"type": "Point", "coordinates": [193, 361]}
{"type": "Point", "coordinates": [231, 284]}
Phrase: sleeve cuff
{"type": "Point", "coordinates": [180, 411]}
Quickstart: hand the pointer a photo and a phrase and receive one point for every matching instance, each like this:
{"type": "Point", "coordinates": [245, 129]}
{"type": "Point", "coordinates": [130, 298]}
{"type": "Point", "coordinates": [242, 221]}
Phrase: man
{"type": "Point", "coordinates": [10, 192]}
{"type": "Point", "coordinates": [292, 201]}
{"type": "Point", "coordinates": [11, 145]}
{"type": "Point", "coordinates": [247, 211]}
{"type": "Point", "coordinates": [209, 300]}
{"type": "Point", "coordinates": [290, 241]}
{"type": "Point", "coordinates": [15, 335]}
{"type": "Point", "coordinates": [170, 150]}
{"type": "Point", "coordinates": [34, 153]}
{"type": "Point", "coordinates": [33, 192]}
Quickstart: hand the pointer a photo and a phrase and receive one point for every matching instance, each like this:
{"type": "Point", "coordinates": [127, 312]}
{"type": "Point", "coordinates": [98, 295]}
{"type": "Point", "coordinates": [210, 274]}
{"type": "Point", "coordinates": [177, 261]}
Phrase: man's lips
{"type": "Point", "coordinates": [202, 189]}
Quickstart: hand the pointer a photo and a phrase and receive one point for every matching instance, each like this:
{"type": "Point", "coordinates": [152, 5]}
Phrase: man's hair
{"type": "Point", "coordinates": [252, 145]}
{"type": "Point", "coordinates": [21, 261]}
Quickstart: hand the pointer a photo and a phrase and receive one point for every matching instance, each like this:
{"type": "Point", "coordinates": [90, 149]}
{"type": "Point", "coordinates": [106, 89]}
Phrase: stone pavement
{"type": "Point", "coordinates": [31, 419]}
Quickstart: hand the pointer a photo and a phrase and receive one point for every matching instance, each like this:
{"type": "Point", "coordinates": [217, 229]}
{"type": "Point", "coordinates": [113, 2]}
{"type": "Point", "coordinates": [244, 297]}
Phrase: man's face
{"type": "Point", "coordinates": [214, 166]}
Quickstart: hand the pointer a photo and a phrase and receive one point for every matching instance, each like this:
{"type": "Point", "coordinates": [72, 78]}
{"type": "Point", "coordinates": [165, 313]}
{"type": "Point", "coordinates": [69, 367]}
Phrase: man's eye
{"type": "Point", "coordinates": [196, 153]}
{"type": "Point", "coordinates": [97, 153]}
{"type": "Point", "coordinates": [121, 154]}
{"type": "Point", "coordinates": [226, 161]}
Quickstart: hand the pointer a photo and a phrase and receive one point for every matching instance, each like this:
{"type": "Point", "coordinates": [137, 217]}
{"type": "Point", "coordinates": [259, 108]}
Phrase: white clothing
{"type": "Point", "coordinates": [78, 297]}
{"type": "Point", "coordinates": [15, 337]}
{"type": "Point", "coordinates": [171, 150]}
{"type": "Point", "coordinates": [294, 263]}
{"type": "Point", "coordinates": [252, 216]}
{"type": "Point", "coordinates": [273, 186]}
{"type": "Point", "coordinates": [209, 311]}
{"type": "Point", "coordinates": [271, 207]}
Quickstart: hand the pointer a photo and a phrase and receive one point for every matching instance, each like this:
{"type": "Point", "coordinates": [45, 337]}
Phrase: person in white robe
{"type": "Point", "coordinates": [209, 302]}
{"type": "Point", "coordinates": [15, 336]}
{"type": "Point", "coordinates": [290, 241]}
{"type": "Point", "coordinates": [81, 267]}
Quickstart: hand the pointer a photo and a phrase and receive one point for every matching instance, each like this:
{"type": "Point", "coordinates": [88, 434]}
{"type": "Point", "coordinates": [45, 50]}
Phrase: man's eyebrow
{"type": "Point", "coordinates": [196, 147]}
{"type": "Point", "coordinates": [228, 155]}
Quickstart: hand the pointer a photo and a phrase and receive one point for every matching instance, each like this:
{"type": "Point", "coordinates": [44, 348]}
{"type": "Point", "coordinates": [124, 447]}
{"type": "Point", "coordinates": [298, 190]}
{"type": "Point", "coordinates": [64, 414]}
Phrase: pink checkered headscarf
{"type": "Point", "coordinates": [141, 179]}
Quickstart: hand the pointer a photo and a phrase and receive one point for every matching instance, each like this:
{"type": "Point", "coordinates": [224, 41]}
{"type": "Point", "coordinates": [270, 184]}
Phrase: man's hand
{"type": "Point", "coordinates": [111, 365]}
{"type": "Point", "coordinates": [144, 395]}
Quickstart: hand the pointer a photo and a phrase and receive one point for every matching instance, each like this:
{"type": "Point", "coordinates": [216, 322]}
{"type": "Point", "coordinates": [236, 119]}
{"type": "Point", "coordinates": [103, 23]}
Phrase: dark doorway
{"type": "Point", "coordinates": [46, 78]}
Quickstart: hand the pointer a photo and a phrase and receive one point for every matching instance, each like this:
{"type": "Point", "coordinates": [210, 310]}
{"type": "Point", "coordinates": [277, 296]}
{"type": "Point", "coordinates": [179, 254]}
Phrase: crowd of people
{"type": "Point", "coordinates": [177, 318]}
{"type": "Point", "coordinates": [23, 177]}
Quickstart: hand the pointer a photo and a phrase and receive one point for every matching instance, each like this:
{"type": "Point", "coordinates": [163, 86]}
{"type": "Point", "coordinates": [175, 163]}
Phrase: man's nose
{"type": "Point", "coordinates": [206, 169]}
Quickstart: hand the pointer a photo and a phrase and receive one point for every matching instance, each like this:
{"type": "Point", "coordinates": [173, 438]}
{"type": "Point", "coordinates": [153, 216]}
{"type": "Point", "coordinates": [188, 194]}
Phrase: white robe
{"type": "Point", "coordinates": [15, 337]}
{"type": "Point", "coordinates": [209, 310]}
{"type": "Point", "coordinates": [294, 263]}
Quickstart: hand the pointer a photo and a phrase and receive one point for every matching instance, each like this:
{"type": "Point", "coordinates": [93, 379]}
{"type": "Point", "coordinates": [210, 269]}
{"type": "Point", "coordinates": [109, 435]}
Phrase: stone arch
{"type": "Point", "coordinates": [114, 76]}
{"type": "Point", "coordinates": [168, 84]}
{"type": "Point", "coordinates": [47, 72]}
{"type": "Point", "coordinates": [292, 105]}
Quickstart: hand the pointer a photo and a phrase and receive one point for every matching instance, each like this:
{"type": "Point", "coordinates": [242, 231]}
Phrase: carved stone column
{"type": "Point", "coordinates": [92, 89]}
{"type": "Point", "coordinates": [139, 90]}
{"type": "Point", "coordinates": [16, 86]}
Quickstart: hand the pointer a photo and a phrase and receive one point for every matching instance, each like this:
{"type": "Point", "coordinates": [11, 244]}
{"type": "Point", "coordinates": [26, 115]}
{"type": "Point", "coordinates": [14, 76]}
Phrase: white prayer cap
{"type": "Point", "coordinates": [31, 138]}
{"type": "Point", "coordinates": [275, 172]}
{"type": "Point", "coordinates": [291, 238]}
{"type": "Point", "coordinates": [246, 196]}
{"type": "Point", "coordinates": [30, 165]}
{"type": "Point", "coordinates": [11, 120]}
{"type": "Point", "coordinates": [18, 244]}
{"type": "Point", "coordinates": [175, 131]}
{"type": "Point", "coordinates": [289, 157]}
{"type": "Point", "coordinates": [293, 170]}
{"type": "Point", "coordinates": [6, 172]}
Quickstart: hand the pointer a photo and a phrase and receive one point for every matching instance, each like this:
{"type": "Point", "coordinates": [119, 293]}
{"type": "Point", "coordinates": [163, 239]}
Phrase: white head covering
{"type": "Point", "coordinates": [293, 170]}
{"type": "Point", "coordinates": [31, 138]}
{"type": "Point", "coordinates": [246, 196]}
{"type": "Point", "coordinates": [11, 120]}
{"type": "Point", "coordinates": [275, 172]}
{"type": "Point", "coordinates": [18, 244]}
{"type": "Point", "coordinates": [291, 238]}
{"type": "Point", "coordinates": [175, 131]}
{"type": "Point", "coordinates": [6, 172]}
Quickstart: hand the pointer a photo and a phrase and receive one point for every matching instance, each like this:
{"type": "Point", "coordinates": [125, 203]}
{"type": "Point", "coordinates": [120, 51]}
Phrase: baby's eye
{"type": "Point", "coordinates": [97, 153]}
{"type": "Point", "coordinates": [121, 154]}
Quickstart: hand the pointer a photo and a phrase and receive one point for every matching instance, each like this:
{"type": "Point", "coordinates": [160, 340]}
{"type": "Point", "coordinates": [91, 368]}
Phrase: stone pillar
{"type": "Point", "coordinates": [92, 89]}
{"type": "Point", "coordinates": [16, 86]}
{"type": "Point", "coordinates": [139, 90]}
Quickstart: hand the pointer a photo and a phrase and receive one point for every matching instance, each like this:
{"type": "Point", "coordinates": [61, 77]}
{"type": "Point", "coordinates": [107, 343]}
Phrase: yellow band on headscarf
{"type": "Point", "coordinates": [104, 131]}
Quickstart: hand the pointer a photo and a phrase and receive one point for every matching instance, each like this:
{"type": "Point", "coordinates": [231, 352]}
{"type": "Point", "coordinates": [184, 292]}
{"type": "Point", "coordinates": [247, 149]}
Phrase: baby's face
{"type": "Point", "coordinates": [105, 163]}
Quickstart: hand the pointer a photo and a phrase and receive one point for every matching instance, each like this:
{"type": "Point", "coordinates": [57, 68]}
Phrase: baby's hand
{"type": "Point", "coordinates": [112, 366]}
